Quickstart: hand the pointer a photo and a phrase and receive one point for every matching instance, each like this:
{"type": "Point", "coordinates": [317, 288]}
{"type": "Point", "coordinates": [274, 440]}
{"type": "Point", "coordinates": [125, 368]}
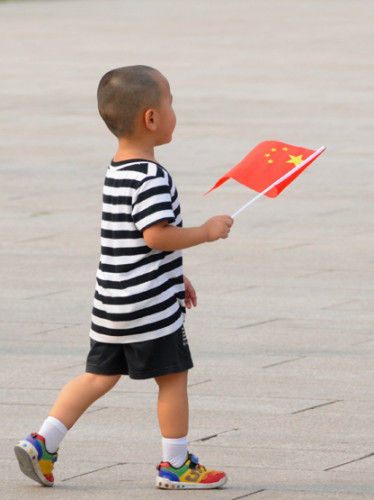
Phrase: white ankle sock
{"type": "Point", "coordinates": [175, 451]}
{"type": "Point", "coordinates": [53, 432]}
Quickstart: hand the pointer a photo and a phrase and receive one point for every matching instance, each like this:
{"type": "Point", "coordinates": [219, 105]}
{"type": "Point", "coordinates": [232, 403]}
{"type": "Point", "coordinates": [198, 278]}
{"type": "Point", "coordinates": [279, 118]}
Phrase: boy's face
{"type": "Point", "coordinates": [167, 118]}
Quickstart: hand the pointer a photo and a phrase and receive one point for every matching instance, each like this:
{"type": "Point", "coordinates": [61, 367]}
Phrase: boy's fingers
{"type": "Point", "coordinates": [230, 221]}
{"type": "Point", "coordinates": [192, 299]}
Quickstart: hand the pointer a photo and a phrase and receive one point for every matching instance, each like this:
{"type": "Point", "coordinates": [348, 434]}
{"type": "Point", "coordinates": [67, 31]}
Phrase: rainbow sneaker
{"type": "Point", "coordinates": [191, 475]}
{"type": "Point", "coordinates": [34, 460]}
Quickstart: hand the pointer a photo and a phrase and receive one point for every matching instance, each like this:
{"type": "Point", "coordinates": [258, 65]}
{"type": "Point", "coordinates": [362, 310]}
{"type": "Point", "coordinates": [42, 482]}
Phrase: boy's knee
{"type": "Point", "coordinates": [103, 382]}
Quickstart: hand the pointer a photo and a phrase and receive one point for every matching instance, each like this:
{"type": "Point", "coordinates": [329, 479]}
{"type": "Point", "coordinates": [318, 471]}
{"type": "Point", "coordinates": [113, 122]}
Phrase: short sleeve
{"type": "Point", "coordinates": [152, 203]}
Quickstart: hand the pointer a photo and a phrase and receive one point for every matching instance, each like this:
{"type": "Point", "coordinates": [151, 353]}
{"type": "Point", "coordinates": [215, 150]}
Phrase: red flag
{"type": "Point", "coordinates": [268, 162]}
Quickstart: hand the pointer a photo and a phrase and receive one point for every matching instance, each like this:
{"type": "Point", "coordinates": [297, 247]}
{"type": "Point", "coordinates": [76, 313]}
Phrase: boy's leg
{"type": "Point", "coordinates": [79, 394]}
{"type": "Point", "coordinates": [179, 469]}
{"type": "Point", "coordinates": [35, 458]}
{"type": "Point", "coordinates": [172, 405]}
{"type": "Point", "coordinates": [172, 409]}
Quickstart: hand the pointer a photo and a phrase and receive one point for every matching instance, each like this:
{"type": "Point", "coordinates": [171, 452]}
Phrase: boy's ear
{"type": "Point", "coordinates": [150, 119]}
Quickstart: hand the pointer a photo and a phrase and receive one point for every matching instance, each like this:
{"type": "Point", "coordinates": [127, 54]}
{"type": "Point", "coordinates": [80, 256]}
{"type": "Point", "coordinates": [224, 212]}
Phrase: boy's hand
{"type": "Point", "coordinates": [191, 298]}
{"type": "Point", "coordinates": [218, 227]}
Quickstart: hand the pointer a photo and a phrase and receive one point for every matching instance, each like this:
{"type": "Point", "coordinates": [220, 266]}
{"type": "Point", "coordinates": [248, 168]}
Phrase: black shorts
{"type": "Point", "coordinates": [141, 360]}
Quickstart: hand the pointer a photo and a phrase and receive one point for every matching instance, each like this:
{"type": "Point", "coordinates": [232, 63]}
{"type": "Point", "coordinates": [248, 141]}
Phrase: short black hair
{"type": "Point", "coordinates": [125, 92]}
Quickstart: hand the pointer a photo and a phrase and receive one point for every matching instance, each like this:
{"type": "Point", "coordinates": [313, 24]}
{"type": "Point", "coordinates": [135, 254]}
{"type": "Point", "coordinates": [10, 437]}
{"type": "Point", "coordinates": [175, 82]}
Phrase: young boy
{"type": "Point", "coordinates": [141, 293]}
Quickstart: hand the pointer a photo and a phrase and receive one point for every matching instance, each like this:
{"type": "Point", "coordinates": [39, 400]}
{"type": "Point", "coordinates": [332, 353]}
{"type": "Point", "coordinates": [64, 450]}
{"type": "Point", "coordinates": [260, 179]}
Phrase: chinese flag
{"type": "Point", "coordinates": [266, 164]}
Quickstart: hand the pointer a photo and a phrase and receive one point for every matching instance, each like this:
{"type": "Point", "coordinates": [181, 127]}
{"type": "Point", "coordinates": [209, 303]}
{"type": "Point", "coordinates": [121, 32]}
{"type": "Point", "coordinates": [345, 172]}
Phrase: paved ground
{"type": "Point", "coordinates": [282, 391]}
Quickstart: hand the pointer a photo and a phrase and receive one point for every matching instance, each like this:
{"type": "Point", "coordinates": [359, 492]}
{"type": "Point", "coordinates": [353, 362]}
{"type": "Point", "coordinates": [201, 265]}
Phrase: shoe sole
{"type": "Point", "coordinates": [27, 456]}
{"type": "Point", "coordinates": [166, 484]}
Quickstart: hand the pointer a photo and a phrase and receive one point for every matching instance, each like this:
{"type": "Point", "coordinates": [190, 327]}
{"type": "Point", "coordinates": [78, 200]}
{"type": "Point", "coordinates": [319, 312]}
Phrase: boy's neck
{"type": "Point", "coordinates": [130, 150]}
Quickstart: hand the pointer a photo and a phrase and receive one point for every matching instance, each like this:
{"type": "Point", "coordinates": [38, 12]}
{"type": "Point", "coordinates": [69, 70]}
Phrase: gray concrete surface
{"type": "Point", "coordinates": [281, 394]}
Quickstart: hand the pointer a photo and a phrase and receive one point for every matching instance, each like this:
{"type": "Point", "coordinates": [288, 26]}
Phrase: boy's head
{"type": "Point", "coordinates": [124, 93]}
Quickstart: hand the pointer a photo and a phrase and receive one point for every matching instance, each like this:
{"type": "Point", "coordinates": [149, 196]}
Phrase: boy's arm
{"type": "Point", "coordinates": [163, 236]}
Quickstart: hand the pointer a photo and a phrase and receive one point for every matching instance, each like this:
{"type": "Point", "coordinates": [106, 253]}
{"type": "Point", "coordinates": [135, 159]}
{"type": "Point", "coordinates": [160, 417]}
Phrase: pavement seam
{"type": "Point", "coordinates": [317, 406]}
{"type": "Point", "coordinates": [95, 470]}
{"type": "Point", "coordinates": [249, 494]}
{"type": "Point", "coordinates": [349, 462]}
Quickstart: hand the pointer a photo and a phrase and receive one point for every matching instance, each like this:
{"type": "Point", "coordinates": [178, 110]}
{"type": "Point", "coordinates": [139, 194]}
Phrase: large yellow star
{"type": "Point", "coordinates": [296, 160]}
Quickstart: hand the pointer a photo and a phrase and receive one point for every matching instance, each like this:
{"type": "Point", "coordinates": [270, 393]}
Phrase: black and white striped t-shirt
{"type": "Point", "coordinates": [139, 292]}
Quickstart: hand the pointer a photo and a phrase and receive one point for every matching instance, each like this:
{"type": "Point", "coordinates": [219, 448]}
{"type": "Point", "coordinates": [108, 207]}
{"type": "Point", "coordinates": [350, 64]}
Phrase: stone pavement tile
{"type": "Point", "coordinates": [296, 484]}
{"type": "Point", "coordinates": [289, 495]}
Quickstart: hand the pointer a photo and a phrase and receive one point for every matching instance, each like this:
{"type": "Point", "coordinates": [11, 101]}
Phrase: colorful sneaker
{"type": "Point", "coordinates": [191, 475]}
{"type": "Point", "coordinates": [34, 460]}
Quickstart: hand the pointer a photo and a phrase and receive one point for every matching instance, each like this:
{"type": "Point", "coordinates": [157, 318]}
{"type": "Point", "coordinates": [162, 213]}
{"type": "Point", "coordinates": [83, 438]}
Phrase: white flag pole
{"type": "Point", "coordinates": [283, 178]}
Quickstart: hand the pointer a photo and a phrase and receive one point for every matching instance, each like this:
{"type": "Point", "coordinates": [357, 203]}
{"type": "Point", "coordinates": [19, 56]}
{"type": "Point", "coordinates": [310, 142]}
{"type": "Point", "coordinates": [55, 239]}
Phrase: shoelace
{"type": "Point", "coordinates": [196, 465]}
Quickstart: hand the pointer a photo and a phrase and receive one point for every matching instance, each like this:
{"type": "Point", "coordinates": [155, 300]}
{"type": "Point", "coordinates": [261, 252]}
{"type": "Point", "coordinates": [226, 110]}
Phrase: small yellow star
{"type": "Point", "coordinates": [296, 160]}
{"type": "Point", "coordinates": [267, 155]}
{"type": "Point", "coordinates": [273, 149]}
{"type": "Point", "coordinates": [284, 149]}
{"type": "Point", "coordinates": [270, 161]}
